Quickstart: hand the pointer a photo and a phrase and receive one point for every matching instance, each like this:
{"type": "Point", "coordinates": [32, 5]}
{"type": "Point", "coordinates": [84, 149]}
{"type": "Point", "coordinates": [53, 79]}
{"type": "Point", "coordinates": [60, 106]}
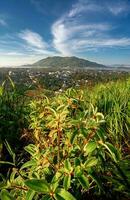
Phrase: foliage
{"type": "Point", "coordinates": [12, 112]}
{"type": "Point", "coordinates": [13, 121]}
{"type": "Point", "coordinates": [76, 151]}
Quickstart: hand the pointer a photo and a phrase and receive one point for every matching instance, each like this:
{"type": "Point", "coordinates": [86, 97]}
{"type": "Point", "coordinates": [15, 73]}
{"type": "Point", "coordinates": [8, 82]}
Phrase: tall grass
{"type": "Point", "coordinates": [113, 100]}
{"type": "Point", "coordinates": [13, 121]}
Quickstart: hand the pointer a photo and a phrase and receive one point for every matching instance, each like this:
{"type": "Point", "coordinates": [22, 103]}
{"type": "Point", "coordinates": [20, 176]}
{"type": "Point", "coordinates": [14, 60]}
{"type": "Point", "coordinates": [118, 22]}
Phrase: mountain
{"type": "Point", "coordinates": [121, 66]}
{"type": "Point", "coordinates": [66, 62]}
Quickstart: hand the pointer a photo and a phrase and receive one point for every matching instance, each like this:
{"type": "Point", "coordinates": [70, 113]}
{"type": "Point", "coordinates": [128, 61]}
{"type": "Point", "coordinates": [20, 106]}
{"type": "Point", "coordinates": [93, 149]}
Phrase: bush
{"type": "Point", "coordinates": [72, 155]}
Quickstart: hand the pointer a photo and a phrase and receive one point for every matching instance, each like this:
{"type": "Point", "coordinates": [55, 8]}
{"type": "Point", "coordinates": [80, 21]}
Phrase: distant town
{"type": "Point", "coordinates": [59, 79]}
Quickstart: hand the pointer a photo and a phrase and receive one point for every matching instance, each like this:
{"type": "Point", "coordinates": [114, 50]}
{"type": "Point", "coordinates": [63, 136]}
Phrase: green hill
{"type": "Point", "coordinates": [66, 62]}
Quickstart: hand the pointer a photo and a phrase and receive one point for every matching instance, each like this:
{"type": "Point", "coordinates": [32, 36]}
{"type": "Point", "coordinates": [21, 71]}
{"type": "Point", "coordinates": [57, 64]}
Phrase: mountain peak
{"type": "Point", "coordinates": [65, 62]}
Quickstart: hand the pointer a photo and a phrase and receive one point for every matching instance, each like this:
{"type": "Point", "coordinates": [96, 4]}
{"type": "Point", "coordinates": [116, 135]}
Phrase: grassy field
{"type": "Point", "coordinates": [72, 145]}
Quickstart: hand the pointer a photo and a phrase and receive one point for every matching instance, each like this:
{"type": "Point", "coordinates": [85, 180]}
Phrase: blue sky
{"type": "Point", "coordinates": [98, 30]}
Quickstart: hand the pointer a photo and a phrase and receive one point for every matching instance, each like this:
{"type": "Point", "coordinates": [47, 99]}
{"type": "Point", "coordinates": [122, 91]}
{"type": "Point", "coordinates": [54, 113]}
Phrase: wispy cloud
{"type": "Point", "coordinates": [72, 34]}
{"type": "Point", "coordinates": [83, 6]}
{"type": "Point", "coordinates": [108, 42]}
{"type": "Point", "coordinates": [118, 7]}
{"type": "Point", "coordinates": [34, 43]}
{"type": "Point", "coordinates": [33, 39]}
{"type": "Point", "coordinates": [66, 34]}
{"type": "Point", "coordinates": [3, 20]}
{"type": "Point", "coordinates": [115, 7]}
{"type": "Point", "coordinates": [23, 48]}
{"type": "Point", "coordinates": [14, 53]}
{"type": "Point", "coordinates": [25, 42]}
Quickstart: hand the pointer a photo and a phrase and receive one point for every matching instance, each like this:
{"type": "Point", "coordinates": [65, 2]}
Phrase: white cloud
{"type": "Point", "coordinates": [115, 7]}
{"type": "Point", "coordinates": [107, 42]}
{"type": "Point", "coordinates": [20, 56]}
{"type": "Point", "coordinates": [14, 52]}
{"type": "Point", "coordinates": [116, 10]}
{"type": "Point", "coordinates": [41, 51]}
{"type": "Point", "coordinates": [4, 19]}
{"type": "Point", "coordinates": [72, 34]}
{"type": "Point", "coordinates": [33, 39]}
{"type": "Point", "coordinates": [119, 7]}
{"type": "Point", "coordinates": [35, 43]}
{"type": "Point", "coordinates": [61, 36]}
{"type": "Point", "coordinates": [68, 34]}
{"type": "Point", "coordinates": [3, 22]}
{"type": "Point", "coordinates": [83, 6]}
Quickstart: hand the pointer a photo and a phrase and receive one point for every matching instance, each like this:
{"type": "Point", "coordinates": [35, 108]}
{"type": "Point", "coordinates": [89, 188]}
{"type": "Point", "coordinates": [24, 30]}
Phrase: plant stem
{"type": "Point", "coordinates": [58, 143]}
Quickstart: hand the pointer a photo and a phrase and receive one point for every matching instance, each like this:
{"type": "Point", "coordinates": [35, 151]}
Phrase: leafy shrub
{"type": "Point", "coordinates": [72, 155]}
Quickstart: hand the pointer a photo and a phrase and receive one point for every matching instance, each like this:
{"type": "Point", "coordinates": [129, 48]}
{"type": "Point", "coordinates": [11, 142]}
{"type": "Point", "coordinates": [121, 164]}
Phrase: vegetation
{"type": "Point", "coordinates": [76, 143]}
{"type": "Point", "coordinates": [63, 62]}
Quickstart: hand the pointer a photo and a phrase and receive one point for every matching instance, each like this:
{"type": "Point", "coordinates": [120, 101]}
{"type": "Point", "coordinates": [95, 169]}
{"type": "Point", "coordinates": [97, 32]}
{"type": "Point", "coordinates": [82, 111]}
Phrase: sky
{"type": "Point", "coordinates": [97, 30]}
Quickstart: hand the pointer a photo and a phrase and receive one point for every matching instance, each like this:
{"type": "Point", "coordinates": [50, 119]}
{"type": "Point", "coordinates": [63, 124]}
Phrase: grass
{"type": "Point", "coordinates": [113, 100]}
{"type": "Point", "coordinates": [75, 144]}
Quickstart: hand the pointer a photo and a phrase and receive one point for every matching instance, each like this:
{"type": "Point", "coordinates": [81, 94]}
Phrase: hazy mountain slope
{"type": "Point", "coordinates": [64, 62]}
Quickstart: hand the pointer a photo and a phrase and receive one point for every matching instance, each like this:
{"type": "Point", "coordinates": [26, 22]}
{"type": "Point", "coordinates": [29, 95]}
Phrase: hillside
{"type": "Point", "coordinates": [66, 62]}
{"type": "Point", "coordinates": [73, 145]}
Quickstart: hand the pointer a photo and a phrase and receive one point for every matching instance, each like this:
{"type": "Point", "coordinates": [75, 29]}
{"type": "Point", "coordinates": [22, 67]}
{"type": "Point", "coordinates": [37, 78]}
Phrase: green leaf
{"type": "Point", "coordinates": [101, 134]}
{"type": "Point", "coordinates": [1, 90]}
{"type": "Point", "coordinates": [7, 163]}
{"type": "Point", "coordinates": [84, 181]}
{"type": "Point", "coordinates": [38, 185]}
{"type": "Point", "coordinates": [64, 194]}
{"type": "Point", "coordinates": [3, 185]}
{"type": "Point", "coordinates": [30, 194]}
{"type": "Point", "coordinates": [55, 180]}
{"type": "Point", "coordinates": [90, 147]}
{"type": "Point", "coordinates": [76, 162]}
{"type": "Point", "coordinates": [46, 197]}
{"type": "Point", "coordinates": [67, 181]}
{"type": "Point", "coordinates": [30, 163]}
{"type": "Point", "coordinates": [78, 171]}
{"type": "Point", "coordinates": [13, 174]}
{"type": "Point", "coordinates": [58, 197]}
{"type": "Point", "coordinates": [3, 83]}
{"type": "Point", "coordinates": [5, 195]}
{"type": "Point", "coordinates": [31, 149]}
{"type": "Point", "coordinates": [12, 83]}
{"type": "Point", "coordinates": [73, 136]}
{"type": "Point", "coordinates": [12, 154]}
{"type": "Point", "coordinates": [91, 162]}
{"type": "Point", "coordinates": [95, 177]}
{"type": "Point", "coordinates": [84, 132]}
{"type": "Point", "coordinates": [112, 150]}
{"type": "Point", "coordinates": [68, 165]}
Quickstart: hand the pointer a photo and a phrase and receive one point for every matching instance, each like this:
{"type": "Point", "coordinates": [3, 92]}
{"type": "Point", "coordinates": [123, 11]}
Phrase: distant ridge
{"type": "Point", "coordinates": [66, 62]}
